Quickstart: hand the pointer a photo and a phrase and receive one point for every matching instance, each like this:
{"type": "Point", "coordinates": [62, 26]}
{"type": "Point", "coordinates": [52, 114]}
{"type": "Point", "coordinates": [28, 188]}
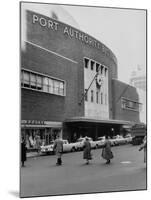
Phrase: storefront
{"type": "Point", "coordinates": [92, 127]}
{"type": "Point", "coordinates": [39, 132]}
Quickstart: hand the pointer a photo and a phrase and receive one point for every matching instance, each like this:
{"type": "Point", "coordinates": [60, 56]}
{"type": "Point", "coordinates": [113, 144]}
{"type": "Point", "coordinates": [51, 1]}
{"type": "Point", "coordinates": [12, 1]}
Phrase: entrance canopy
{"type": "Point", "coordinates": [98, 120]}
{"type": "Point", "coordinates": [94, 127]}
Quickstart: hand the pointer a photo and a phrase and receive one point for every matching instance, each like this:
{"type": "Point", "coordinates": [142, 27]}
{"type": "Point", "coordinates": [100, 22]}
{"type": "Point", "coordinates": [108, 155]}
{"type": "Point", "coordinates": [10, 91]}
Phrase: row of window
{"type": "Point", "coordinates": [130, 105]}
{"type": "Point", "coordinates": [88, 63]}
{"type": "Point", "coordinates": [33, 80]}
{"type": "Point", "coordinates": [101, 98]}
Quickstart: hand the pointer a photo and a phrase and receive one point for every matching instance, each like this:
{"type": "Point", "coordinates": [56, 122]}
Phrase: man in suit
{"type": "Point", "coordinates": [58, 148]}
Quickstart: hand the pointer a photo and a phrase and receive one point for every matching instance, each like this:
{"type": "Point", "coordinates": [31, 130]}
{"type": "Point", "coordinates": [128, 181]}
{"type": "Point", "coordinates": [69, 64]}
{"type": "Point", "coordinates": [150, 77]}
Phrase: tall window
{"type": "Point", "coordinates": [92, 97]}
{"type": "Point", "coordinates": [97, 67]}
{"type": "Point", "coordinates": [86, 95]}
{"type": "Point", "coordinates": [61, 88]}
{"type": "Point", "coordinates": [39, 82]}
{"type": "Point", "coordinates": [51, 85]}
{"type": "Point", "coordinates": [105, 71]}
{"type": "Point", "coordinates": [45, 84]}
{"type": "Point", "coordinates": [97, 97]}
{"type": "Point", "coordinates": [26, 79]}
{"type": "Point", "coordinates": [92, 65]}
{"type": "Point", "coordinates": [101, 98]}
{"type": "Point", "coordinates": [105, 99]}
{"type": "Point", "coordinates": [86, 62]}
{"type": "Point", "coordinates": [33, 81]}
{"type": "Point", "coordinates": [102, 69]}
{"type": "Point", "coordinates": [42, 83]}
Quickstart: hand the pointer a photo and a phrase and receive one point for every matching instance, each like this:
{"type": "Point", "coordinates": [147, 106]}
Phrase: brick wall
{"type": "Point", "coordinates": [42, 106]}
{"type": "Point", "coordinates": [120, 89]}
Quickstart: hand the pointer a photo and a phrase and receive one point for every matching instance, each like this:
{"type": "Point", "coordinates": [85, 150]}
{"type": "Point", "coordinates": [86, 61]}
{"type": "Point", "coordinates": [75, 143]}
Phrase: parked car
{"type": "Point", "coordinates": [80, 143]}
{"type": "Point", "coordinates": [100, 142]}
{"type": "Point", "coordinates": [128, 138]}
{"type": "Point", "coordinates": [47, 149]}
{"type": "Point", "coordinates": [69, 147]}
{"type": "Point", "coordinates": [119, 139]}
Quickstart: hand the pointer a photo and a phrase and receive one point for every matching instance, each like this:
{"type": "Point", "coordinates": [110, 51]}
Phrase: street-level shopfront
{"type": "Point", "coordinates": [39, 131]}
{"type": "Point", "coordinates": [93, 127]}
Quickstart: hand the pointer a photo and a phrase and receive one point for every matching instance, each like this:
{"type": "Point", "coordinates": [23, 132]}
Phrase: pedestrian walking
{"type": "Point", "coordinates": [23, 151]}
{"type": "Point", "coordinates": [87, 151]}
{"type": "Point", "coordinates": [106, 151]}
{"type": "Point", "coordinates": [58, 148]}
{"type": "Point", "coordinates": [37, 143]}
{"type": "Point", "coordinates": [144, 146]}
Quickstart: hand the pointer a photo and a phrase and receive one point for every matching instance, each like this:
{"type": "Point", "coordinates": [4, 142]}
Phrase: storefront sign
{"type": "Point", "coordinates": [32, 122]}
{"type": "Point", "coordinates": [72, 33]}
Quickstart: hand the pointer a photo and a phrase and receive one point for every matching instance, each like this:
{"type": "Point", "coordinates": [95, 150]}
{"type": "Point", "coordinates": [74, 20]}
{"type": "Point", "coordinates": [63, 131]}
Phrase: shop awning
{"type": "Point", "coordinates": [98, 120]}
{"type": "Point", "coordinates": [44, 124]}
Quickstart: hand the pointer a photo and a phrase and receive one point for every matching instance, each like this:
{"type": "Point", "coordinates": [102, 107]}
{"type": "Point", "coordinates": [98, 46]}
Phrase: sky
{"type": "Point", "coordinates": [121, 30]}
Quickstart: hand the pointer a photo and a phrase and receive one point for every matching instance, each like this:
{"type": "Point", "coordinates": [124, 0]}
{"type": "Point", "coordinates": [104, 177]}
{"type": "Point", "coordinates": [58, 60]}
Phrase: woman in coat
{"type": "Point", "coordinates": [23, 152]}
{"type": "Point", "coordinates": [144, 146]}
{"type": "Point", "coordinates": [106, 152]}
{"type": "Point", "coordinates": [87, 151]}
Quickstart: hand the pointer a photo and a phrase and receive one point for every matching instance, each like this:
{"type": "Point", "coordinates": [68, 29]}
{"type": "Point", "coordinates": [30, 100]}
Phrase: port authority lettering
{"type": "Point", "coordinates": [71, 32]}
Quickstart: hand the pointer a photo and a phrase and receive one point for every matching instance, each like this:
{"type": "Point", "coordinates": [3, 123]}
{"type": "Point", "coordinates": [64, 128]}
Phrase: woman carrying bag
{"type": "Point", "coordinates": [87, 151]}
{"type": "Point", "coordinates": [106, 151]}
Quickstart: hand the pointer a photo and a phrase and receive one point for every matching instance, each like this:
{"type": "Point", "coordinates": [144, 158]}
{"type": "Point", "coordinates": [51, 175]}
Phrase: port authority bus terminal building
{"type": "Point", "coordinates": [69, 84]}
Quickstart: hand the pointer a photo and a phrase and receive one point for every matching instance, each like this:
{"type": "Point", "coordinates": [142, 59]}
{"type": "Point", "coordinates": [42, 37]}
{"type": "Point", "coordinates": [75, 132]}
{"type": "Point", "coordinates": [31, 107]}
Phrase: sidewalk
{"type": "Point", "coordinates": [33, 154]}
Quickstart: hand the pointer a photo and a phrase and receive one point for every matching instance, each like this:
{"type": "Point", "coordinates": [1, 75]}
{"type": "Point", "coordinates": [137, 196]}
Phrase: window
{"type": "Point", "coordinates": [46, 84]}
{"type": "Point", "coordinates": [33, 80]}
{"type": "Point", "coordinates": [102, 69]}
{"type": "Point", "coordinates": [51, 85]}
{"type": "Point", "coordinates": [86, 62]}
{"type": "Point", "coordinates": [97, 97]}
{"type": "Point", "coordinates": [61, 88]}
{"type": "Point", "coordinates": [92, 98]}
{"type": "Point", "coordinates": [39, 82]}
{"type": "Point", "coordinates": [92, 65]}
{"type": "Point", "coordinates": [101, 98]}
{"type": "Point", "coordinates": [105, 71]}
{"type": "Point", "coordinates": [86, 95]}
{"type": "Point", "coordinates": [97, 67]}
{"type": "Point", "coordinates": [105, 99]}
{"type": "Point", "coordinates": [56, 87]}
{"type": "Point", "coordinates": [26, 79]}
{"type": "Point", "coordinates": [130, 105]}
{"type": "Point", "coordinates": [36, 81]}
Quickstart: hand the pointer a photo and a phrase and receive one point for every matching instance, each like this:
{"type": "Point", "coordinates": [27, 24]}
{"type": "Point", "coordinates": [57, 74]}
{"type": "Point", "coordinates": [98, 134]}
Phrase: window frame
{"type": "Point", "coordinates": [126, 100]}
{"type": "Point", "coordinates": [42, 77]}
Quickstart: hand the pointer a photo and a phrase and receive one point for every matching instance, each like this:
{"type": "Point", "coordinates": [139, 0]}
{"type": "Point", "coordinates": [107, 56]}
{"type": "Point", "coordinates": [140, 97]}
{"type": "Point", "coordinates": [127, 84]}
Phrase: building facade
{"type": "Point", "coordinates": [67, 83]}
{"type": "Point", "coordinates": [138, 79]}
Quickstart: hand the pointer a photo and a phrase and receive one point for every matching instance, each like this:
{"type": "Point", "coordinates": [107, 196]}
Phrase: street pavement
{"type": "Point", "coordinates": [126, 172]}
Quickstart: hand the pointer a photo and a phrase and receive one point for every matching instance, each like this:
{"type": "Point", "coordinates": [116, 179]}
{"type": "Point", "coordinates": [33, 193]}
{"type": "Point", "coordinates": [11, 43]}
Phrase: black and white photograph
{"type": "Point", "coordinates": [83, 110]}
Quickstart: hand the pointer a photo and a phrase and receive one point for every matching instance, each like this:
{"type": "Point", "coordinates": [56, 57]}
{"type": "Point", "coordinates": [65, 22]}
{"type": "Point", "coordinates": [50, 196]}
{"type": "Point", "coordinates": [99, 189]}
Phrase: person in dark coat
{"type": "Point", "coordinates": [106, 152]}
{"type": "Point", "coordinates": [144, 146]}
{"type": "Point", "coordinates": [58, 148]}
{"type": "Point", "coordinates": [87, 151]}
{"type": "Point", "coordinates": [23, 152]}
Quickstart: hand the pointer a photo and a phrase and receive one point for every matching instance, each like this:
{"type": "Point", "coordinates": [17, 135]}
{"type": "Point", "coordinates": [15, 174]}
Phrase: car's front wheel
{"type": "Point", "coordinates": [73, 149]}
